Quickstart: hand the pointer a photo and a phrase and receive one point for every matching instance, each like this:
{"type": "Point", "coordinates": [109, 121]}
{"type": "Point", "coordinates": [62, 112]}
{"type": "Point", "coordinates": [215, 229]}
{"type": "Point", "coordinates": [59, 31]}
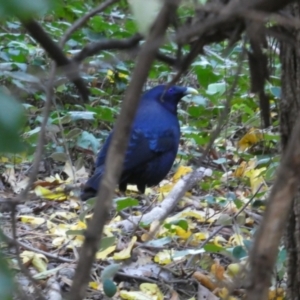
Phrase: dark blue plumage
{"type": "Point", "coordinates": [153, 142]}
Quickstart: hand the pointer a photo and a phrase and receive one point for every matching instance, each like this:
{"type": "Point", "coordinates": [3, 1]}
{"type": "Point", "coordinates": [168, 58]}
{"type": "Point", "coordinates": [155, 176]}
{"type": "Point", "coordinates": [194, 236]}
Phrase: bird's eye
{"type": "Point", "coordinates": [171, 90]}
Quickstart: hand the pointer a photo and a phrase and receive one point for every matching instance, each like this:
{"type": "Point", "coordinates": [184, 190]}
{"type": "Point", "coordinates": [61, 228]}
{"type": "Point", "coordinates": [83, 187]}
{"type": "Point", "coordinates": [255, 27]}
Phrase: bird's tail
{"type": "Point", "coordinates": [91, 187]}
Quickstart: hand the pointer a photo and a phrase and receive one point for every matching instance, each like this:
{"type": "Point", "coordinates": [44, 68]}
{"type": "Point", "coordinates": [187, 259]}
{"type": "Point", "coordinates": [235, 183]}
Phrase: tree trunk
{"type": "Point", "coordinates": [289, 112]}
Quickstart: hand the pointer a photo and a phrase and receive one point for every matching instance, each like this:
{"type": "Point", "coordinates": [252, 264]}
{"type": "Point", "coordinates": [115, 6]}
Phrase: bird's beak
{"type": "Point", "coordinates": [191, 91]}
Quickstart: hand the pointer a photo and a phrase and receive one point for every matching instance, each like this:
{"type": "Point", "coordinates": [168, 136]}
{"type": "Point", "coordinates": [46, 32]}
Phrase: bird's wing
{"type": "Point", "coordinates": [143, 147]}
{"type": "Point", "coordinates": [103, 152]}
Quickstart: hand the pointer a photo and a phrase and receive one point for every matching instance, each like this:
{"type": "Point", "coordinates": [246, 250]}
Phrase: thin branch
{"type": "Point", "coordinates": [117, 44]}
{"type": "Point", "coordinates": [84, 19]}
{"type": "Point", "coordinates": [41, 36]}
{"type": "Point", "coordinates": [228, 15]}
{"type": "Point", "coordinates": [16, 243]}
{"type": "Point", "coordinates": [264, 252]}
{"type": "Point", "coordinates": [170, 60]}
{"type": "Point", "coordinates": [162, 211]}
{"type": "Point", "coordinates": [56, 53]}
{"type": "Point", "coordinates": [118, 145]}
{"type": "Point", "coordinates": [41, 140]}
{"type": "Point", "coordinates": [108, 44]}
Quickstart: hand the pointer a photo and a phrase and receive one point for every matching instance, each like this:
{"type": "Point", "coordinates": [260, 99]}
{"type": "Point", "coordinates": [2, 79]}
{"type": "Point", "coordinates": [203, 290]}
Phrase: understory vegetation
{"type": "Point", "coordinates": [205, 239]}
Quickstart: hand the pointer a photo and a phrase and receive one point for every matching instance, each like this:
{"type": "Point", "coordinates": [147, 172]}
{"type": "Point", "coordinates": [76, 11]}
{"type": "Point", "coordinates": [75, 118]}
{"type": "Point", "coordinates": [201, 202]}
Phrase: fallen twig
{"type": "Point", "coordinates": [163, 210]}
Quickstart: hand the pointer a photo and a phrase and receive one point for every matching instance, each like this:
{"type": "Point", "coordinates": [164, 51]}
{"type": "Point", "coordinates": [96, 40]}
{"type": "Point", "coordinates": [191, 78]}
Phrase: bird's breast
{"type": "Point", "coordinates": [153, 115]}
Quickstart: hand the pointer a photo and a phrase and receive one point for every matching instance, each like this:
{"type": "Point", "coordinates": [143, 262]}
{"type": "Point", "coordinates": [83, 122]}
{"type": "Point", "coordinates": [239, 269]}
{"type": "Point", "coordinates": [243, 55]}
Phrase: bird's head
{"type": "Point", "coordinates": [169, 97]}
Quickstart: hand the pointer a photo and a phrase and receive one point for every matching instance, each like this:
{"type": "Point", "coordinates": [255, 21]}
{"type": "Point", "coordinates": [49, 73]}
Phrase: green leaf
{"type": "Point", "coordinates": [224, 219]}
{"type": "Point", "coordinates": [106, 242]}
{"type": "Point", "coordinates": [213, 248]}
{"type": "Point", "coordinates": [200, 100]}
{"type": "Point", "coordinates": [87, 140]}
{"type": "Point", "coordinates": [206, 75]}
{"type": "Point", "coordinates": [257, 203]}
{"type": "Point", "coordinates": [196, 111]}
{"type": "Point", "coordinates": [75, 232]}
{"type": "Point", "coordinates": [216, 88]}
{"type": "Point", "coordinates": [220, 161]}
{"type": "Point", "coordinates": [74, 133]}
{"type": "Point", "coordinates": [276, 91]}
{"type": "Point", "coordinates": [82, 115]}
{"type": "Point", "coordinates": [230, 196]}
{"type": "Point", "coordinates": [282, 255]}
{"type": "Point", "coordinates": [109, 287]}
{"type": "Point", "coordinates": [22, 76]}
{"type": "Point", "coordinates": [239, 252]}
{"type": "Point", "coordinates": [90, 204]}
{"type": "Point", "coordinates": [7, 286]}
{"type": "Point", "coordinates": [24, 8]}
{"type": "Point", "coordinates": [181, 223]}
{"type": "Point", "coordinates": [145, 13]}
{"type": "Point", "coordinates": [125, 202]}
{"type": "Point", "coordinates": [59, 156]}
{"type": "Point", "coordinates": [103, 113]}
{"type": "Point", "coordinates": [110, 271]}
{"type": "Point", "coordinates": [92, 35]}
{"type": "Point", "coordinates": [11, 123]}
{"type": "Point", "coordinates": [159, 242]}
{"type": "Point", "coordinates": [200, 140]}
{"type": "Point", "coordinates": [202, 1]}
{"type": "Point", "coordinates": [248, 244]}
{"type": "Point", "coordinates": [210, 199]}
{"type": "Point", "coordinates": [239, 203]}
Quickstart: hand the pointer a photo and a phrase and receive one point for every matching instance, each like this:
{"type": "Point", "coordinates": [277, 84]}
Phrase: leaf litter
{"type": "Point", "coordinates": [183, 251]}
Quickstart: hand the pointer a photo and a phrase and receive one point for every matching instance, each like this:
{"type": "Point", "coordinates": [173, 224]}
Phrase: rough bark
{"type": "Point", "coordinates": [289, 112]}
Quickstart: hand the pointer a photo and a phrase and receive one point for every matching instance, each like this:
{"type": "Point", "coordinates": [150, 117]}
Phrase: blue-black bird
{"type": "Point", "coordinates": [153, 142]}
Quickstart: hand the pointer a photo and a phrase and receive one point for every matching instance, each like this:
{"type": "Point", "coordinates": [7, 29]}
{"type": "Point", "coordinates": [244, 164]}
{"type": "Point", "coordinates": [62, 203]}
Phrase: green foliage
{"type": "Point", "coordinates": [239, 252]}
{"type": "Point", "coordinates": [213, 248]}
{"type": "Point", "coordinates": [125, 202]}
{"type": "Point", "coordinates": [109, 287]}
{"type": "Point", "coordinates": [106, 242]}
{"type": "Point", "coordinates": [181, 223]}
{"type": "Point", "coordinates": [11, 123]}
{"type": "Point", "coordinates": [6, 280]}
{"type": "Point", "coordinates": [82, 128]}
{"type": "Point", "coordinates": [24, 8]}
{"type": "Point", "coordinates": [7, 284]}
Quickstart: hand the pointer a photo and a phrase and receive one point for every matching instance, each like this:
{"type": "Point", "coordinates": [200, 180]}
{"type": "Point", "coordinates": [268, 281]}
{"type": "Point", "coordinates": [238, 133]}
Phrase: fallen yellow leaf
{"type": "Point", "coordinates": [152, 290]}
{"type": "Point", "coordinates": [39, 261]}
{"type": "Point", "coordinates": [94, 285]}
{"type": "Point", "coordinates": [58, 194]}
{"type": "Point", "coordinates": [236, 240]}
{"type": "Point", "coordinates": [256, 179]}
{"type": "Point", "coordinates": [182, 170]}
{"type": "Point", "coordinates": [32, 220]}
{"type": "Point", "coordinates": [184, 234]}
{"type": "Point", "coordinates": [100, 255]}
{"type": "Point", "coordinates": [252, 137]}
{"type": "Point", "coordinates": [125, 253]}
{"type": "Point", "coordinates": [164, 257]}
